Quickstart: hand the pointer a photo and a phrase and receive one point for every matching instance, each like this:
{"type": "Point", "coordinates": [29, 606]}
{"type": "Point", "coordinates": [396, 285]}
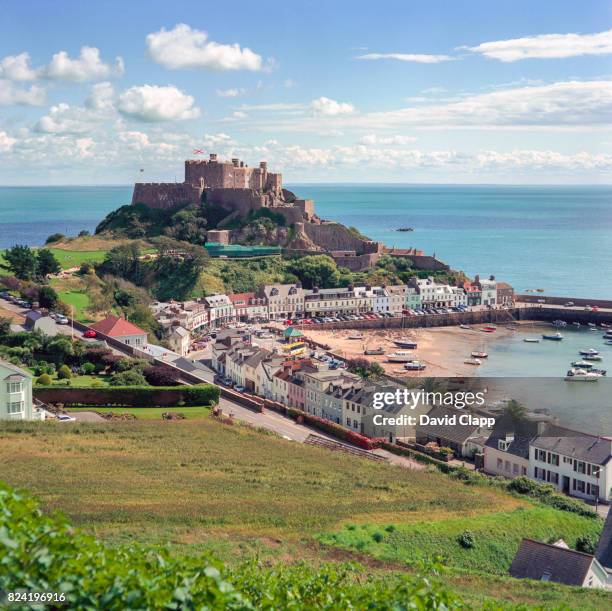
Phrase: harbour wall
{"type": "Point", "coordinates": [578, 301]}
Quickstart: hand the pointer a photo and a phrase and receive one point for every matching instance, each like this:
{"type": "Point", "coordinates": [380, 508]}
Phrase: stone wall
{"type": "Point", "coordinates": [165, 195]}
{"type": "Point", "coordinates": [578, 301]}
{"type": "Point", "coordinates": [242, 201]}
{"type": "Point", "coordinates": [333, 236]}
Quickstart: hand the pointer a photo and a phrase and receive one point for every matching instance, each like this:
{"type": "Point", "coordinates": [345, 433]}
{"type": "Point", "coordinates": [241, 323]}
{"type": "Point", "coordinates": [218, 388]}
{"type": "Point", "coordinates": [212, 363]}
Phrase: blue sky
{"type": "Point", "coordinates": [455, 92]}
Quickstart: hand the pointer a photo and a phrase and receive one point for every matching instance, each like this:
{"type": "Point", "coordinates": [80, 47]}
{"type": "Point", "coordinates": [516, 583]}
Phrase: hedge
{"type": "Point", "coordinates": [130, 396]}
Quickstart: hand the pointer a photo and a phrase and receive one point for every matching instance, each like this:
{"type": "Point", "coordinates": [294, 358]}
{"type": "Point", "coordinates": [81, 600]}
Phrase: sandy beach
{"type": "Point", "coordinates": [443, 349]}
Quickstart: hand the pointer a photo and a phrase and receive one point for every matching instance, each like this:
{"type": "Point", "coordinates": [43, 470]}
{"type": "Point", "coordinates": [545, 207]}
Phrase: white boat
{"type": "Point", "coordinates": [555, 337]}
{"type": "Point", "coordinates": [400, 356]}
{"type": "Point", "coordinates": [582, 364]}
{"type": "Point", "coordinates": [356, 336]}
{"type": "Point", "coordinates": [531, 340]}
{"type": "Point", "coordinates": [576, 324]}
{"type": "Point", "coordinates": [477, 354]}
{"type": "Point", "coordinates": [465, 327]}
{"type": "Point", "coordinates": [415, 366]}
{"type": "Point", "coordinates": [589, 352]}
{"type": "Point", "coordinates": [473, 361]}
{"type": "Point", "coordinates": [559, 324]}
{"type": "Point", "coordinates": [593, 357]}
{"type": "Point", "coordinates": [582, 375]}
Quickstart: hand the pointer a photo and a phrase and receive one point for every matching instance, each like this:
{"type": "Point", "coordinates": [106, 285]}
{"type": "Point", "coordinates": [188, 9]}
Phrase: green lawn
{"type": "Point", "coordinates": [79, 300]}
{"type": "Point", "coordinates": [74, 258]}
{"type": "Point", "coordinates": [147, 413]}
{"type": "Point", "coordinates": [82, 380]}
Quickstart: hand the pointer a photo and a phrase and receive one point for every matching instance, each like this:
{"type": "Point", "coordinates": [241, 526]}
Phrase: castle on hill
{"type": "Point", "coordinates": [233, 185]}
{"type": "Point", "coordinates": [240, 190]}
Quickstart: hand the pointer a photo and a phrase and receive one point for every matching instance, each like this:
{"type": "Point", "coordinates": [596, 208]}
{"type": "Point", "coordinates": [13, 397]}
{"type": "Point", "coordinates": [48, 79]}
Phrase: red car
{"type": "Point", "coordinates": [90, 333]}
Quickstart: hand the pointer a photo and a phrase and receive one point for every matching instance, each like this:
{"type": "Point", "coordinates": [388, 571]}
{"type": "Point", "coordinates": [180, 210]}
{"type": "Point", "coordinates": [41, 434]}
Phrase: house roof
{"type": "Point", "coordinates": [292, 332]}
{"type": "Point", "coordinates": [16, 370]}
{"type": "Point", "coordinates": [545, 562]}
{"type": "Point", "coordinates": [178, 330]}
{"type": "Point", "coordinates": [575, 444]}
{"type": "Point", "coordinates": [603, 553]}
{"type": "Point", "coordinates": [457, 433]}
{"type": "Point", "coordinates": [113, 326]}
{"type": "Point", "coordinates": [241, 300]}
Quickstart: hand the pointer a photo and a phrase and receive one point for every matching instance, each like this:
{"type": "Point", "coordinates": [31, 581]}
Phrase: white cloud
{"type": "Point", "coordinates": [64, 119]}
{"type": "Point", "coordinates": [12, 94]}
{"type": "Point", "coordinates": [546, 46]}
{"type": "Point", "coordinates": [101, 97]}
{"type": "Point", "coordinates": [230, 93]}
{"type": "Point", "coordinates": [217, 140]}
{"type": "Point", "coordinates": [237, 115]}
{"type": "Point", "coordinates": [326, 106]}
{"type": "Point", "coordinates": [152, 103]}
{"type": "Point", "coordinates": [184, 47]}
{"type": "Point", "coordinates": [419, 58]}
{"type": "Point", "coordinates": [87, 67]}
{"type": "Point", "coordinates": [374, 139]}
{"type": "Point", "coordinates": [83, 146]}
{"type": "Point", "coordinates": [6, 142]}
{"type": "Point", "coordinates": [17, 68]}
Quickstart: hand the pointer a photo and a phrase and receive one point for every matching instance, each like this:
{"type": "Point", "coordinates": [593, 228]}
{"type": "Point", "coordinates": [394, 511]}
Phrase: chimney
{"type": "Point", "coordinates": [213, 157]}
{"type": "Point", "coordinates": [235, 162]}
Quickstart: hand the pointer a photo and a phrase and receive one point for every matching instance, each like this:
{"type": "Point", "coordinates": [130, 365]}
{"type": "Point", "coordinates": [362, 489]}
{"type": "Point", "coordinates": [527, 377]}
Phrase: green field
{"type": "Point", "coordinates": [74, 258]}
{"type": "Point", "coordinates": [240, 492]}
{"type": "Point", "coordinates": [147, 413]}
{"type": "Point", "coordinates": [79, 300]}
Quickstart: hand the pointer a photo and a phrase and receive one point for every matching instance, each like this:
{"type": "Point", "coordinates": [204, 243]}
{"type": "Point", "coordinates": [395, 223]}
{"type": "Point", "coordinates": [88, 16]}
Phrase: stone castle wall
{"type": "Point", "coordinates": [232, 175]}
{"type": "Point", "coordinates": [333, 236]}
{"type": "Point", "coordinates": [165, 195]}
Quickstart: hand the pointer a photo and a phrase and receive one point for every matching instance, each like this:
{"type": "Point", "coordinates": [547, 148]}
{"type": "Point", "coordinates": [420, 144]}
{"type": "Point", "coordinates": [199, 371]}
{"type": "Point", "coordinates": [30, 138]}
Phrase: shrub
{"type": "Point", "coordinates": [378, 537]}
{"type": "Point", "coordinates": [131, 377]}
{"type": "Point", "coordinates": [88, 368]}
{"type": "Point", "coordinates": [586, 544]}
{"type": "Point", "coordinates": [466, 540]}
{"type": "Point", "coordinates": [55, 237]}
{"type": "Point", "coordinates": [64, 373]}
{"type": "Point", "coordinates": [44, 379]}
{"type": "Point", "coordinates": [390, 528]}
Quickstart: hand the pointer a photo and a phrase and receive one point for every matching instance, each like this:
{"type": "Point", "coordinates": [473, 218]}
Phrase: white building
{"type": "Point", "coordinates": [221, 310]}
{"type": "Point", "coordinates": [179, 339]}
{"type": "Point", "coordinates": [412, 298]}
{"type": "Point", "coordinates": [489, 290]}
{"type": "Point", "coordinates": [575, 463]}
{"type": "Point", "coordinates": [459, 296]}
{"type": "Point", "coordinates": [284, 301]}
{"type": "Point", "coordinates": [16, 394]}
{"type": "Point", "coordinates": [397, 298]}
{"type": "Point", "coordinates": [432, 293]}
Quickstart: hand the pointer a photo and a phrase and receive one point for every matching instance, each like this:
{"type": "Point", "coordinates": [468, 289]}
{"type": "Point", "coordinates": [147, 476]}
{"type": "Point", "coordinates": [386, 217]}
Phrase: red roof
{"type": "Point", "coordinates": [241, 300]}
{"type": "Point", "coordinates": [113, 326]}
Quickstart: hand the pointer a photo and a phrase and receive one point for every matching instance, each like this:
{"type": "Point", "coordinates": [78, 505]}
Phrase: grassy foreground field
{"type": "Point", "coordinates": [148, 413]}
{"type": "Point", "coordinates": [236, 491]}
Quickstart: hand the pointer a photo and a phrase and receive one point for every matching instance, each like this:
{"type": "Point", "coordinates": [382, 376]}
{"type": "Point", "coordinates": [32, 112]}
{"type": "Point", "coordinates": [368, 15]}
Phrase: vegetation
{"type": "Point", "coordinates": [203, 485]}
{"type": "Point", "coordinates": [482, 543]}
{"type": "Point", "coordinates": [365, 368]}
{"type": "Point", "coordinates": [27, 264]}
{"type": "Point", "coordinates": [44, 554]}
{"type": "Point", "coordinates": [148, 413]}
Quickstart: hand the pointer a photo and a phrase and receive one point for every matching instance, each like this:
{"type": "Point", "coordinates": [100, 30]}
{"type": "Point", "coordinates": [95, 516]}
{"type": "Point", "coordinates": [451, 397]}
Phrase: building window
{"type": "Point", "coordinates": [13, 387]}
{"type": "Point", "coordinates": [540, 455]}
{"type": "Point", "coordinates": [15, 407]}
{"type": "Point", "coordinates": [500, 463]}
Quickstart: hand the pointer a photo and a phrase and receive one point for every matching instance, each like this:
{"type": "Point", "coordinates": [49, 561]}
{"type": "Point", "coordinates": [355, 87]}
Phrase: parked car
{"type": "Point", "coordinates": [65, 418]}
{"type": "Point", "coordinates": [62, 320]}
{"type": "Point", "coordinates": [90, 333]}
{"type": "Point", "coordinates": [239, 388]}
{"type": "Point", "coordinates": [569, 304]}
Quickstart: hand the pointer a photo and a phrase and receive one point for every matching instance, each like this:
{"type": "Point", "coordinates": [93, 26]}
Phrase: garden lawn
{"type": "Point", "coordinates": [79, 300]}
{"type": "Point", "coordinates": [147, 413]}
{"type": "Point", "coordinates": [495, 537]}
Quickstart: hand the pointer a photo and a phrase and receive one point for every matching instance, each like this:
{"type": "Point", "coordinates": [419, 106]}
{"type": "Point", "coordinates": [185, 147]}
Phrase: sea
{"type": "Point", "coordinates": [556, 238]}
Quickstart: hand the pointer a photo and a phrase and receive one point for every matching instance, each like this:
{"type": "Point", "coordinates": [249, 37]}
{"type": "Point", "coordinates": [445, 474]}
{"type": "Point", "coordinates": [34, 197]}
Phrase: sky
{"type": "Point", "coordinates": [509, 92]}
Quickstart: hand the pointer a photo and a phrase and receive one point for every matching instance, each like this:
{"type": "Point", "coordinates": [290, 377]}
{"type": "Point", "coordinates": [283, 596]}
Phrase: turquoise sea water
{"type": "Point", "coordinates": [556, 238]}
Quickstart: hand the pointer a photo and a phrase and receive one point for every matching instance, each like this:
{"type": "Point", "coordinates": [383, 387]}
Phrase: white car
{"type": "Point", "coordinates": [62, 320]}
{"type": "Point", "coordinates": [65, 418]}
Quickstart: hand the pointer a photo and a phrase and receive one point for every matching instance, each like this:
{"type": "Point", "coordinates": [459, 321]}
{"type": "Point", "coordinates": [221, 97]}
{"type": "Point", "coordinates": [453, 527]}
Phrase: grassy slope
{"type": "Point", "coordinates": [238, 491]}
{"type": "Point", "coordinates": [497, 537]}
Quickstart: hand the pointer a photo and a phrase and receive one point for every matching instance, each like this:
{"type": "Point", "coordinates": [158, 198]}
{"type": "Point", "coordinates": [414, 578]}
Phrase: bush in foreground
{"type": "Point", "coordinates": [45, 554]}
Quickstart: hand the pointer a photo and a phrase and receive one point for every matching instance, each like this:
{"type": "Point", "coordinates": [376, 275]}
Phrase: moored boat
{"type": "Point", "coordinates": [593, 357]}
{"type": "Point", "coordinates": [400, 356]}
{"type": "Point", "coordinates": [374, 351]}
{"type": "Point", "coordinates": [465, 327]}
{"type": "Point", "coordinates": [559, 324]}
{"type": "Point", "coordinates": [356, 336]}
{"type": "Point", "coordinates": [473, 361]}
{"type": "Point", "coordinates": [555, 337]}
{"type": "Point", "coordinates": [531, 340]}
{"type": "Point", "coordinates": [405, 343]}
{"type": "Point", "coordinates": [589, 352]}
{"type": "Point", "coordinates": [582, 364]}
{"type": "Point", "coordinates": [489, 329]}
{"type": "Point", "coordinates": [415, 366]}
{"type": "Point", "coordinates": [576, 324]}
{"type": "Point", "coordinates": [477, 354]}
{"type": "Point", "coordinates": [582, 375]}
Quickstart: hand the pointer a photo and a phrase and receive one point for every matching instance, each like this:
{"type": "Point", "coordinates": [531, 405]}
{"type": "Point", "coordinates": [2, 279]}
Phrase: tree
{"type": "Point", "coordinates": [365, 368]}
{"type": "Point", "coordinates": [316, 271]}
{"type": "Point", "coordinates": [55, 237]}
{"type": "Point", "coordinates": [47, 298]}
{"type": "Point", "coordinates": [47, 263]}
{"type": "Point", "coordinates": [515, 410]}
{"type": "Point", "coordinates": [158, 375]}
{"type": "Point", "coordinates": [21, 261]}
{"type": "Point", "coordinates": [5, 327]}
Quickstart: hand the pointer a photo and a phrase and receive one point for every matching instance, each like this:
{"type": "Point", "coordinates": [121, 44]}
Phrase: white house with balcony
{"type": "Point", "coordinates": [16, 394]}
